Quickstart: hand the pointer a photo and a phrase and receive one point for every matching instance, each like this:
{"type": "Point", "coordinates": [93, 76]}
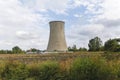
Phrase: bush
{"type": "Point", "coordinates": [14, 71]}
{"type": "Point", "coordinates": [115, 68]}
{"type": "Point", "coordinates": [90, 69]}
{"type": "Point", "coordinates": [45, 71]}
{"type": "Point", "coordinates": [85, 68]}
{"type": "Point", "coordinates": [2, 66]}
{"type": "Point", "coordinates": [118, 73]}
{"type": "Point", "coordinates": [112, 45]}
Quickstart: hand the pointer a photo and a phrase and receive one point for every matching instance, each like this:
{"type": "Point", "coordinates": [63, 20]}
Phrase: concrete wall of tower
{"type": "Point", "coordinates": [57, 41]}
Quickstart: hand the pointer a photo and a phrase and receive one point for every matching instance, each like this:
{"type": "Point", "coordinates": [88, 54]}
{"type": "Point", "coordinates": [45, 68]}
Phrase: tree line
{"type": "Point", "coordinates": [15, 50]}
{"type": "Point", "coordinates": [18, 50]}
{"type": "Point", "coordinates": [96, 44]}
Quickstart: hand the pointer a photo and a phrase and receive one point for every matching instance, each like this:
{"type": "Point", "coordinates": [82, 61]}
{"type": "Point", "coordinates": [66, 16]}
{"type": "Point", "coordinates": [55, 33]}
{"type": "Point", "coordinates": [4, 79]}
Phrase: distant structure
{"type": "Point", "coordinates": [57, 40]}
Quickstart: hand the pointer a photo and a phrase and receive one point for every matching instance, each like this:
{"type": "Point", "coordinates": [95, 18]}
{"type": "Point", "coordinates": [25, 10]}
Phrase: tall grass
{"type": "Point", "coordinates": [83, 68]}
{"type": "Point", "coordinates": [14, 71]}
{"type": "Point", "coordinates": [44, 71]}
{"type": "Point", "coordinates": [90, 69]}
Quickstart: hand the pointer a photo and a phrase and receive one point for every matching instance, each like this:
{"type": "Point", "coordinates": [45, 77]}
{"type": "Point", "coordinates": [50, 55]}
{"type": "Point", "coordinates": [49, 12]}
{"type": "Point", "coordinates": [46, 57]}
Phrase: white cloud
{"type": "Point", "coordinates": [104, 21]}
{"type": "Point", "coordinates": [77, 15]}
{"type": "Point", "coordinates": [92, 6]}
{"type": "Point", "coordinates": [111, 9]}
{"type": "Point", "coordinates": [19, 23]}
{"type": "Point", "coordinates": [81, 34]}
{"type": "Point", "coordinates": [25, 22]}
{"type": "Point", "coordinates": [109, 23]}
{"type": "Point", "coordinates": [26, 35]}
{"type": "Point", "coordinates": [57, 6]}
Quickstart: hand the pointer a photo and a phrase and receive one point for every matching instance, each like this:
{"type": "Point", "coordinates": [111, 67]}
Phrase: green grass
{"type": "Point", "coordinates": [60, 66]}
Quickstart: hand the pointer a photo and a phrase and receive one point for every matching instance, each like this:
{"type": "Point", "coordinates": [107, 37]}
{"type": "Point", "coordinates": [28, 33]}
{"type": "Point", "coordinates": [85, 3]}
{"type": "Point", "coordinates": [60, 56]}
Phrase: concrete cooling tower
{"type": "Point", "coordinates": [57, 40]}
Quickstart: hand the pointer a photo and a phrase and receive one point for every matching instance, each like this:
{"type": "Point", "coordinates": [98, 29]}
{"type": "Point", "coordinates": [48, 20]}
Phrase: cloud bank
{"type": "Point", "coordinates": [25, 22]}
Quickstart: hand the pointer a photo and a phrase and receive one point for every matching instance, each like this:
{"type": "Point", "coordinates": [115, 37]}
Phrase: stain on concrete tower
{"type": "Point", "coordinates": [57, 40]}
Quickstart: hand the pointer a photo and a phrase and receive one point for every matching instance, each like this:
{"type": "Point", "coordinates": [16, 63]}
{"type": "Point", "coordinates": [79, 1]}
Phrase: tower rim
{"type": "Point", "coordinates": [56, 21]}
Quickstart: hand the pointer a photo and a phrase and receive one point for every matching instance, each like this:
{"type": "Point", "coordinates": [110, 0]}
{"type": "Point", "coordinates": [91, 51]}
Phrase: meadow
{"type": "Point", "coordinates": [60, 66]}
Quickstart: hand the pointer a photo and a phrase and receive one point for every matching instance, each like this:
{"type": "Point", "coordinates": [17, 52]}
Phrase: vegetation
{"type": "Point", "coordinates": [48, 70]}
{"type": "Point", "coordinates": [99, 63]}
{"type": "Point", "coordinates": [90, 69]}
{"type": "Point", "coordinates": [95, 44]}
{"type": "Point", "coordinates": [34, 50]}
{"type": "Point", "coordinates": [75, 49]}
{"type": "Point", "coordinates": [95, 67]}
{"type": "Point", "coordinates": [18, 50]}
{"type": "Point", "coordinates": [6, 52]}
{"type": "Point", "coordinates": [14, 71]}
{"type": "Point", "coordinates": [15, 50]}
{"type": "Point", "coordinates": [112, 45]}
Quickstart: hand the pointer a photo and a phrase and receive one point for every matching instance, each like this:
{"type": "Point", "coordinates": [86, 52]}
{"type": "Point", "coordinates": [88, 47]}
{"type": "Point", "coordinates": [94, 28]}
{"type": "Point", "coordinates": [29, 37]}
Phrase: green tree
{"type": "Point", "coordinates": [34, 50]}
{"type": "Point", "coordinates": [95, 44]}
{"type": "Point", "coordinates": [112, 45]}
{"type": "Point", "coordinates": [82, 49]}
{"type": "Point", "coordinates": [5, 52]}
{"type": "Point", "coordinates": [73, 48]}
{"type": "Point", "coordinates": [69, 48]}
{"type": "Point", "coordinates": [16, 50]}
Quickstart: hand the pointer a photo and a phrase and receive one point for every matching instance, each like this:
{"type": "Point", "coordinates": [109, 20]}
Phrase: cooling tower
{"type": "Point", "coordinates": [57, 40]}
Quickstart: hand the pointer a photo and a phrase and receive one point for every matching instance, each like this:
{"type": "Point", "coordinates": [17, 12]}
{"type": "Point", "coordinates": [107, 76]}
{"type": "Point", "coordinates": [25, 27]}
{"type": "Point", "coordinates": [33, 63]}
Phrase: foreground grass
{"type": "Point", "coordinates": [71, 66]}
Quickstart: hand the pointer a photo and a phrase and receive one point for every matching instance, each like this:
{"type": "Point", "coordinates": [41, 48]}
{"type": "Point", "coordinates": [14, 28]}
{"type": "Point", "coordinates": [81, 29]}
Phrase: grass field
{"type": "Point", "coordinates": [60, 66]}
{"type": "Point", "coordinates": [56, 56]}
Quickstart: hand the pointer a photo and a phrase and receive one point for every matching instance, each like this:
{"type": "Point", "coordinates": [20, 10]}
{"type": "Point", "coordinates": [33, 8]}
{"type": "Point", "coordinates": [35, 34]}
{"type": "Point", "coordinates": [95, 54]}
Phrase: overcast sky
{"type": "Point", "coordinates": [25, 22]}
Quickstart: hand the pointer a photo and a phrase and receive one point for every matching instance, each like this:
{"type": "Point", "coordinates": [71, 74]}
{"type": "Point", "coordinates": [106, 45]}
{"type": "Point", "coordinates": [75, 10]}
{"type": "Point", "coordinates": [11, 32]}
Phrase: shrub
{"type": "Point", "coordinates": [84, 68]}
{"type": "Point", "coordinates": [48, 70]}
{"type": "Point", "coordinates": [90, 69]}
{"type": "Point", "coordinates": [2, 66]}
{"type": "Point", "coordinates": [118, 73]}
{"type": "Point", "coordinates": [115, 68]}
{"type": "Point", "coordinates": [14, 71]}
{"type": "Point", "coordinates": [112, 45]}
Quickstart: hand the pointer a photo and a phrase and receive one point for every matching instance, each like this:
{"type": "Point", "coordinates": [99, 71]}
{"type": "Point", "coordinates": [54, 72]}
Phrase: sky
{"type": "Point", "coordinates": [25, 23]}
